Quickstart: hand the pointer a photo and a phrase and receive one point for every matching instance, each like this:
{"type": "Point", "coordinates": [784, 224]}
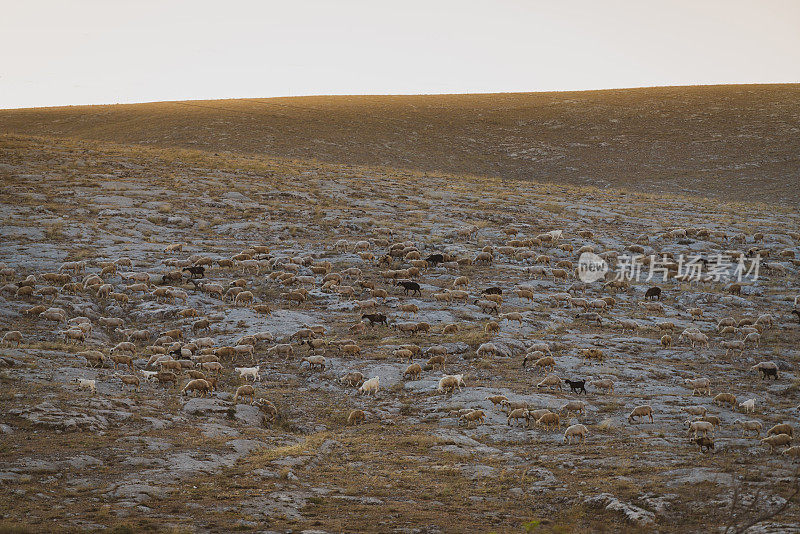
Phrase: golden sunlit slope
{"type": "Point", "coordinates": [735, 142]}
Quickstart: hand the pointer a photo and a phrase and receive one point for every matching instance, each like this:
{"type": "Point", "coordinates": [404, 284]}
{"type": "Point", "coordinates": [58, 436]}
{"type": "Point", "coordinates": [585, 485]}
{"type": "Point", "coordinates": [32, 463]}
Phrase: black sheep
{"type": "Point", "coordinates": [493, 291]}
{"type": "Point", "coordinates": [434, 259]}
{"type": "Point", "coordinates": [577, 386]}
{"type": "Point", "coordinates": [374, 318]}
{"type": "Point", "coordinates": [196, 271]}
{"type": "Point", "coordinates": [653, 293]}
{"type": "Point", "coordinates": [768, 371]}
{"type": "Point", "coordinates": [409, 286]}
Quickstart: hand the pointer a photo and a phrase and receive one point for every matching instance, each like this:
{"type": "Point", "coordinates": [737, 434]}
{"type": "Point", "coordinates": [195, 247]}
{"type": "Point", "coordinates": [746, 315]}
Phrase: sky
{"type": "Point", "coordinates": [57, 52]}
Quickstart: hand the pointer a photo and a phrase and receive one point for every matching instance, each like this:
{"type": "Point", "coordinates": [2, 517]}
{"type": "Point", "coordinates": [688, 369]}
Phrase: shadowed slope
{"type": "Point", "coordinates": [734, 142]}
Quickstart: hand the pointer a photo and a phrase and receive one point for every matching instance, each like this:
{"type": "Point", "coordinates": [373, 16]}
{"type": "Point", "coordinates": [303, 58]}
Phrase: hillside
{"type": "Point", "coordinates": [715, 141]}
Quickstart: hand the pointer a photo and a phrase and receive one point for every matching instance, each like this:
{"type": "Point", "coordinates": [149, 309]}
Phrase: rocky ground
{"type": "Point", "coordinates": [152, 459]}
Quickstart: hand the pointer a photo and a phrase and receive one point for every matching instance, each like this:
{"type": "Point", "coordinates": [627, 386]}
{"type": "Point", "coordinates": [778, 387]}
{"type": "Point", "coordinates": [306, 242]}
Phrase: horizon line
{"type": "Point", "coordinates": [317, 95]}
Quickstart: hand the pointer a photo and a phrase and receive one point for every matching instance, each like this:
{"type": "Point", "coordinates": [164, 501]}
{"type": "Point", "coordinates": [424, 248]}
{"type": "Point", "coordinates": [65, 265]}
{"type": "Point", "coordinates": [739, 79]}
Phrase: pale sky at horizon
{"type": "Point", "coordinates": [113, 51]}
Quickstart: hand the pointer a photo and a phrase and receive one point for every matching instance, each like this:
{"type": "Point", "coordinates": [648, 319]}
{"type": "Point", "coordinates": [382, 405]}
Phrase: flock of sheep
{"type": "Point", "coordinates": [186, 356]}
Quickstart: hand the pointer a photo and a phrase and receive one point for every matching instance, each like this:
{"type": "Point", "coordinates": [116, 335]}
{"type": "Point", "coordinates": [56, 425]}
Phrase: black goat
{"type": "Point", "coordinates": [493, 291]}
{"type": "Point", "coordinates": [768, 371]}
{"type": "Point", "coordinates": [196, 271]}
{"type": "Point", "coordinates": [577, 386]}
{"type": "Point", "coordinates": [653, 293]}
{"type": "Point", "coordinates": [433, 259]}
{"type": "Point", "coordinates": [410, 286]}
{"type": "Point", "coordinates": [374, 318]}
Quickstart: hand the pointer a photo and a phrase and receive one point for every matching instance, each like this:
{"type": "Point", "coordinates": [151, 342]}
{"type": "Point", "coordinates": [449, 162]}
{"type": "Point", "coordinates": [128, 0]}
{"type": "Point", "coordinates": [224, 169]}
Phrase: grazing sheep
{"type": "Point", "coordinates": [549, 420]}
{"type": "Point", "coordinates": [476, 416]}
{"type": "Point", "coordinates": [576, 407]}
{"type": "Point", "coordinates": [641, 411]}
{"type": "Point", "coordinates": [576, 386]}
{"type": "Point", "coordinates": [245, 391]}
{"type": "Point", "coordinates": [782, 428]}
{"type": "Point", "coordinates": [695, 410]}
{"type": "Point", "coordinates": [732, 345]}
{"type": "Point", "coordinates": [13, 336]}
{"type": "Point", "coordinates": [551, 381]}
{"type": "Point", "coordinates": [84, 383]}
{"type": "Point", "coordinates": [370, 387]}
{"type": "Point", "coordinates": [578, 430]}
{"type": "Point", "coordinates": [697, 427]}
{"type": "Point", "coordinates": [749, 426]}
{"type": "Point", "coordinates": [666, 341]}
{"type": "Point", "coordinates": [353, 379]}
{"type": "Point", "coordinates": [704, 443]}
{"type": "Point", "coordinates": [448, 383]}
{"type": "Point", "coordinates": [497, 399]}
{"type": "Point", "coordinates": [245, 372]}
{"type": "Point", "coordinates": [748, 406]}
{"type": "Point", "coordinates": [778, 440]}
{"type": "Point", "coordinates": [725, 398]}
{"type": "Point", "coordinates": [131, 380]}
{"type": "Point", "coordinates": [517, 414]}
{"type": "Point", "coordinates": [694, 337]}
{"type": "Point", "coordinates": [412, 371]}
{"type": "Point", "coordinates": [198, 385]}
{"type": "Point", "coordinates": [605, 383]}
{"type": "Point", "coordinates": [356, 417]}
{"type": "Point", "coordinates": [314, 362]}
{"type": "Point", "coordinates": [792, 451]}
{"type": "Point", "coordinates": [700, 386]}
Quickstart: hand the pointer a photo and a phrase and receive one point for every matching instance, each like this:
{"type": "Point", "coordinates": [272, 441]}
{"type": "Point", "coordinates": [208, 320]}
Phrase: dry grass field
{"type": "Point", "coordinates": [678, 171]}
{"type": "Point", "coordinates": [730, 142]}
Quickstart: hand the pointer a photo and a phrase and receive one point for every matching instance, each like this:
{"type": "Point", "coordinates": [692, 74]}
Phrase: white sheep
{"type": "Point", "coordinates": [85, 383]}
{"type": "Point", "coordinates": [701, 386]}
{"type": "Point", "coordinates": [578, 430]}
{"type": "Point", "coordinates": [245, 372]}
{"type": "Point", "coordinates": [370, 387]}
{"type": "Point", "coordinates": [703, 427]}
{"type": "Point", "coordinates": [749, 426]}
{"type": "Point", "coordinates": [748, 406]}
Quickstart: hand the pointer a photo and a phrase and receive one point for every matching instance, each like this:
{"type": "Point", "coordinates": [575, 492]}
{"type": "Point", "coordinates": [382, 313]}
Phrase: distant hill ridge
{"type": "Point", "coordinates": [737, 142]}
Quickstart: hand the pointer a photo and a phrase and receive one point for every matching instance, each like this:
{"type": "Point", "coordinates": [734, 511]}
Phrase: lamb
{"type": "Point", "coordinates": [748, 406]}
{"type": "Point", "coordinates": [578, 430]}
{"type": "Point", "coordinates": [778, 440]}
{"type": "Point", "coordinates": [697, 427]}
{"type": "Point", "coordinates": [245, 391]}
{"type": "Point", "coordinates": [641, 411]}
{"type": "Point", "coordinates": [353, 379]}
{"type": "Point", "coordinates": [245, 372]}
{"type": "Point", "coordinates": [476, 416]}
{"type": "Point", "coordinates": [701, 386]}
{"type": "Point", "coordinates": [84, 383]}
{"type": "Point", "coordinates": [370, 387]}
{"type": "Point", "coordinates": [749, 426]}
{"type": "Point", "coordinates": [782, 428]}
{"type": "Point", "coordinates": [199, 385]}
{"type": "Point", "coordinates": [356, 417]}
{"type": "Point", "coordinates": [551, 381]}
